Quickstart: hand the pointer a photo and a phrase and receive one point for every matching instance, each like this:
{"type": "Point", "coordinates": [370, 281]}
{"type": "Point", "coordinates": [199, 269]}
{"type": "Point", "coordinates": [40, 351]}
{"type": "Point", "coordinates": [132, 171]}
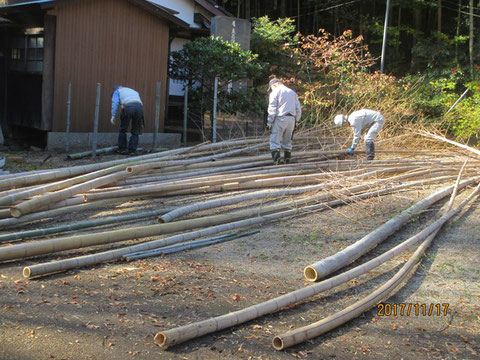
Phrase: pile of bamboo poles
{"type": "Point", "coordinates": [183, 191]}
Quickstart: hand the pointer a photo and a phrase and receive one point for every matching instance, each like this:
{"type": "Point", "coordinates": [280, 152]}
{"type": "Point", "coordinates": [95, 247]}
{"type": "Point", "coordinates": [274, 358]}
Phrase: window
{"type": "Point", "coordinates": [27, 51]}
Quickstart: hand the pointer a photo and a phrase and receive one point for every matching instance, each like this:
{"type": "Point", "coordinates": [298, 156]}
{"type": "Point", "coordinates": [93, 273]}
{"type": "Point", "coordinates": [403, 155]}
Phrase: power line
{"type": "Point", "coordinates": [329, 8]}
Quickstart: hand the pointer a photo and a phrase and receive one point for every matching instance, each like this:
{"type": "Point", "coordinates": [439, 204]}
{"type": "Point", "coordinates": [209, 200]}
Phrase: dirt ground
{"type": "Point", "coordinates": [114, 310]}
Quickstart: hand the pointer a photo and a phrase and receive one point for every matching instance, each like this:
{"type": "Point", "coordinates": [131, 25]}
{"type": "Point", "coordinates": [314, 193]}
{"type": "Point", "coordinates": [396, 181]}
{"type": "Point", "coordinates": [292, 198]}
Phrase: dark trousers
{"type": "Point", "coordinates": [134, 113]}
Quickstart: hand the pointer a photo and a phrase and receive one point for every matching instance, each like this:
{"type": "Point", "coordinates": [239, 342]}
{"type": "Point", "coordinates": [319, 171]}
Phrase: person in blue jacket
{"type": "Point", "coordinates": [132, 111]}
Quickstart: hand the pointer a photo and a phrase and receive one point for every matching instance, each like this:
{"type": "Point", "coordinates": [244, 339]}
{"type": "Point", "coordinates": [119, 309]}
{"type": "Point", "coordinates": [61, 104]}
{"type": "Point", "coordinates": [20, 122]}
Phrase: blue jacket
{"type": "Point", "coordinates": [123, 96]}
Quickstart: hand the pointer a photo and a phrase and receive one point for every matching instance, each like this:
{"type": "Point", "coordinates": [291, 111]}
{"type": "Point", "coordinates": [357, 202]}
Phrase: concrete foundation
{"type": "Point", "coordinates": [57, 140]}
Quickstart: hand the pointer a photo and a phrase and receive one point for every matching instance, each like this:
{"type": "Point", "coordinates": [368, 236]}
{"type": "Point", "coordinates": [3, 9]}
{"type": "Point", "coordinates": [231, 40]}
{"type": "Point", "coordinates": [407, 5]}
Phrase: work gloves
{"type": "Point", "coordinates": [269, 126]}
{"type": "Point", "coordinates": [112, 120]}
{"type": "Point", "coordinates": [350, 150]}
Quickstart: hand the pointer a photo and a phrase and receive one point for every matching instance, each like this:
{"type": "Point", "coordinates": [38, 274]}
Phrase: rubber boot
{"type": "Point", "coordinates": [370, 150]}
{"type": "Point", "coordinates": [287, 156]}
{"type": "Point", "coordinates": [276, 157]}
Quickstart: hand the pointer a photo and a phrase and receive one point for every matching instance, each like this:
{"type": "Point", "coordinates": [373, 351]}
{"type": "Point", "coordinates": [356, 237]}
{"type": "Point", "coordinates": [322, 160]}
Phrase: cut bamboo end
{"type": "Point", "coordinates": [129, 169]}
{"type": "Point", "coordinates": [277, 343]}
{"type": "Point", "coordinates": [160, 339]}
{"type": "Point", "coordinates": [310, 273]}
{"type": "Point", "coordinates": [15, 212]}
{"type": "Point", "coordinates": [26, 272]}
{"type": "Point", "coordinates": [85, 198]}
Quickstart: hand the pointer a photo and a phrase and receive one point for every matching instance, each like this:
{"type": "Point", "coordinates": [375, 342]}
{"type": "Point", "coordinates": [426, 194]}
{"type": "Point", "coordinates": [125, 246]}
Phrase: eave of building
{"type": "Point", "coordinates": [161, 12]}
{"type": "Point", "coordinates": [211, 7]}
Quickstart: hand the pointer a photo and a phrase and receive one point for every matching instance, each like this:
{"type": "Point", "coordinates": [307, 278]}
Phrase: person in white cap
{"type": "Point", "coordinates": [284, 112]}
{"type": "Point", "coordinates": [360, 120]}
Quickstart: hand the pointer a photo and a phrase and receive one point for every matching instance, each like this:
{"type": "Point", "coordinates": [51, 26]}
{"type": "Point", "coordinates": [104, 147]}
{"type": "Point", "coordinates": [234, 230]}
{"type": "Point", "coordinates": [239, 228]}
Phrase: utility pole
{"type": "Point", "coordinates": [470, 42]}
{"type": "Point", "coordinates": [384, 44]}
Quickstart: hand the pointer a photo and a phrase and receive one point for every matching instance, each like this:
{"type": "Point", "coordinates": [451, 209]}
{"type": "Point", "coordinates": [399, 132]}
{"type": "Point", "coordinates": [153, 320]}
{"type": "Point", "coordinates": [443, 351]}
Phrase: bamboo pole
{"type": "Point", "coordinates": [342, 258]}
{"type": "Point", "coordinates": [232, 184]}
{"type": "Point", "coordinates": [61, 208]}
{"type": "Point", "coordinates": [441, 138]}
{"type": "Point", "coordinates": [188, 245]}
{"type": "Point", "coordinates": [221, 185]}
{"type": "Point", "coordinates": [204, 189]}
{"type": "Point", "coordinates": [8, 199]}
{"type": "Point", "coordinates": [95, 120]}
{"type": "Point", "coordinates": [188, 209]}
{"type": "Point", "coordinates": [313, 330]}
{"type": "Point", "coordinates": [184, 175]}
{"type": "Point", "coordinates": [53, 174]}
{"type": "Point", "coordinates": [67, 126]}
{"type": "Point", "coordinates": [136, 169]}
{"type": "Point", "coordinates": [190, 331]}
{"type": "Point", "coordinates": [81, 225]}
{"type": "Point", "coordinates": [67, 264]}
{"type": "Point", "coordinates": [157, 115]}
{"type": "Point", "coordinates": [29, 206]}
{"type": "Point", "coordinates": [80, 155]}
{"type": "Point", "coordinates": [87, 260]}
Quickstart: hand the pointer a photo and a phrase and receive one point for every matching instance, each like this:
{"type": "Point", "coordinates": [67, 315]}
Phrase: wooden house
{"type": "Point", "coordinates": [45, 45]}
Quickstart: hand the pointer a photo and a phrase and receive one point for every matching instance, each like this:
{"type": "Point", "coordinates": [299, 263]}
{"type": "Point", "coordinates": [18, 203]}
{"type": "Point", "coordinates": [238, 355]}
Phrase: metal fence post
{"type": "Point", "coordinates": [95, 121]}
{"type": "Point", "coordinates": [67, 130]}
{"type": "Point", "coordinates": [214, 120]}
{"type": "Point", "coordinates": [157, 115]}
{"type": "Point", "coordinates": [185, 116]}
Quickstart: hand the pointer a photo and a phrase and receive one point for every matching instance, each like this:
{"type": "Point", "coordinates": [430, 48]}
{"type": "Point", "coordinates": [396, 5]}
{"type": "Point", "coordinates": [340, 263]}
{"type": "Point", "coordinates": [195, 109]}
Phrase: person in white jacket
{"type": "Point", "coordinates": [132, 111]}
{"type": "Point", "coordinates": [284, 112]}
{"type": "Point", "coordinates": [361, 120]}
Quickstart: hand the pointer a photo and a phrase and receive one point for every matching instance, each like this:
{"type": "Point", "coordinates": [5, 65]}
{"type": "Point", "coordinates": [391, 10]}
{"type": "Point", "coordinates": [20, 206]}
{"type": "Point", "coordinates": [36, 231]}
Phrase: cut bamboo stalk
{"type": "Point", "coordinates": [4, 213]}
{"type": "Point", "coordinates": [175, 186]}
{"type": "Point", "coordinates": [220, 188]}
{"type": "Point", "coordinates": [225, 178]}
{"type": "Point", "coordinates": [87, 260]}
{"type": "Point", "coordinates": [188, 245]}
{"type": "Point", "coordinates": [53, 174]}
{"type": "Point", "coordinates": [59, 185]}
{"type": "Point", "coordinates": [67, 264]}
{"type": "Point", "coordinates": [187, 332]}
{"type": "Point", "coordinates": [107, 150]}
{"type": "Point", "coordinates": [313, 330]}
{"type": "Point", "coordinates": [184, 210]}
{"type": "Point", "coordinates": [182, 174]}
{"type": "Point", "coordinates": [64, 207]}
{"type": "Point", "coordinates": [136, 169]}
{"type": "Point", "coordinates": [441, 138]}
{"type": "Point", "coordinates": [81, 225]}
{"type": "Point", "coordinates": [344, 257]}
{"type": "Point", "coordinates": [30, 206]}
{"type": "Point", "coordinates": [204, 186]}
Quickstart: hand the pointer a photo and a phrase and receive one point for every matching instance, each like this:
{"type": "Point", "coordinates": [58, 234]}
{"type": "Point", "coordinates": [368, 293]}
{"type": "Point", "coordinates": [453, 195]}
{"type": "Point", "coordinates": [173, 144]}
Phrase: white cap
{"type": "Point", "coordinates": [271, 83]}
{"type": "Point", "coordinates": [339, 119]}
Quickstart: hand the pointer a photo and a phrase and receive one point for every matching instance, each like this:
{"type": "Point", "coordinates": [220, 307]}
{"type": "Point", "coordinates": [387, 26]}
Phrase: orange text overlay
{"type": "Point", "coordinates": [412, 309]}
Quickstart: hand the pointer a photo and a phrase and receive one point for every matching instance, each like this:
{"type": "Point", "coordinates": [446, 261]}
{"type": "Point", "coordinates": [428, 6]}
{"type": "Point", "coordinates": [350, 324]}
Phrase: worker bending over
{"type": "Point", "coordinates": [132, 110]}
{"type": "Point", "coordinates": [360, 120]}
{"type": "Point", "coordinates": [283, 113]}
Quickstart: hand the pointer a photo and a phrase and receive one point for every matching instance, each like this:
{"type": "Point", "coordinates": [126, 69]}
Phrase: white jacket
{"type": "Point", "coordinates": [362, 119]}
{"type": "Point", "coordinates": [283, 101]}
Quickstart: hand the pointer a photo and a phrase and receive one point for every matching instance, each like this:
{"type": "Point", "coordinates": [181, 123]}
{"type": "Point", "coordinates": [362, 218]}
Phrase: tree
{"type": "Point", "coordinates": [203, 59]}
{"type": "Point", "coordinates": [273, 40]}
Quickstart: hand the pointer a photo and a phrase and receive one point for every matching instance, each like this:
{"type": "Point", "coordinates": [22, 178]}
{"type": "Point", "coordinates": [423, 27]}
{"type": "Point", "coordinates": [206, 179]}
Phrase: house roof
{"type": "Point", "coordinates": [159, 11]}
{"type": "Point", "coordinates": [212, 7]}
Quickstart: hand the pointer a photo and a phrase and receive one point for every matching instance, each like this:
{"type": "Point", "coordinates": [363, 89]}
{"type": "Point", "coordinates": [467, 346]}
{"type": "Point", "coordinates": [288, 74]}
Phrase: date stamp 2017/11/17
{"type": "Point", "coordinates": [412, 309]}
